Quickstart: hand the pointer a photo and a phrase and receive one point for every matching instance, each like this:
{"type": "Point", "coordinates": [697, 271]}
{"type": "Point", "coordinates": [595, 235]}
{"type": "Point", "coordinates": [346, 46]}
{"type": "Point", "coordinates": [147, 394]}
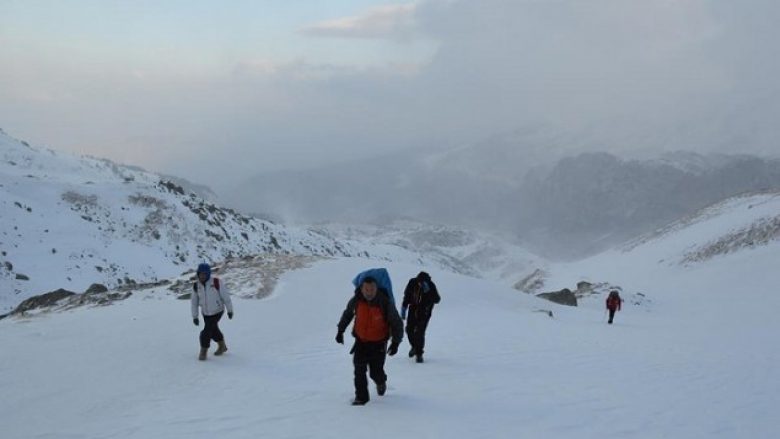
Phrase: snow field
{"type": "Point", "coordinates": [494, 368]}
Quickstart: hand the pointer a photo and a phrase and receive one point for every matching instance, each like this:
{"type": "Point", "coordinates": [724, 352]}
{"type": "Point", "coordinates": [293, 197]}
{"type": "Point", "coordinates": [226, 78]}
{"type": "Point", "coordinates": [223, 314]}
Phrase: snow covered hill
{"type": "Point", "coordinates": [730, 248]}
{"type": "Point", "coordinates": [68, 222]}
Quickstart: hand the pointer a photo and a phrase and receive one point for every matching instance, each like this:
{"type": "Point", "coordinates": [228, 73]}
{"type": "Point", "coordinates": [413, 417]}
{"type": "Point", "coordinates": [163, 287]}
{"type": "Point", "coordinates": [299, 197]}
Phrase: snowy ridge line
{"type": "Point", "coordinates": [700, 216]}
{"type": "Point", "coordinates": [761, 232]}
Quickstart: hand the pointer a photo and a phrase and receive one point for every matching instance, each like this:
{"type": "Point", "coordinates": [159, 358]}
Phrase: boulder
{"type": "Point", "coordinates": [562, 297]}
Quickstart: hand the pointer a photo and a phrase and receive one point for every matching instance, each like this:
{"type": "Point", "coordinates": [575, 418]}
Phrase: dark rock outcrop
{"type": "Point", "coordinates": [96, 289]}
{"type": "Point", "coordinates": [43, 301]}
{"type": "Point", "coordinates": [562, 297]}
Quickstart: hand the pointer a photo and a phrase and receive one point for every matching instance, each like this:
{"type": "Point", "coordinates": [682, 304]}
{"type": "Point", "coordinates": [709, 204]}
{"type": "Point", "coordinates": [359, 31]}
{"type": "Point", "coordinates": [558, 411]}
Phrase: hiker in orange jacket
{"type": "Point", "coordinates": [376, 322]}
{"type": "Point", "coordinates": [613, 304]}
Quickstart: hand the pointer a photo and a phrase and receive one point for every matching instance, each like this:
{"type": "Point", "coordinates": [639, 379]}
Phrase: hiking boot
{"type": "Point", "coordinates": [420, 358]}
{"type": "Point", "coordinates": [381, 389]}
{"type": "Point", "coordinates": [203, 353]}
{"type": "Point", "coordinates": [359, 402]}
{"type": "Point", "coordinates": [221, 349]}
{"type": "Point", "coordinates": [412, 352]}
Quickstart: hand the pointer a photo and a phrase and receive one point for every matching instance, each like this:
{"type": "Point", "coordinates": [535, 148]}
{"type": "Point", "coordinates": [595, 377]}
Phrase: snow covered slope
{"type": "Point", "coordinates": [495, 368]}
{"type": "Point", "coordinates": [68, 222]}
{"type": "Point", "coordinates": [735, 243]}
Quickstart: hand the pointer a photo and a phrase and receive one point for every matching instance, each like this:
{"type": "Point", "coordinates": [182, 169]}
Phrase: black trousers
{"type": "Point", "coordinates": [415, 332]}
{"type": "Point", "coordinates": [211, 330]}
{"type": "Point", "coordinates": [611, 315]}
{"type": "Point", "coordinates": [368, 357]}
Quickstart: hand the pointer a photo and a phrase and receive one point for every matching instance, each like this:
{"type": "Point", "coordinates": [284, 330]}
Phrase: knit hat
{"type": "Point", "coordinates": [205, 268]}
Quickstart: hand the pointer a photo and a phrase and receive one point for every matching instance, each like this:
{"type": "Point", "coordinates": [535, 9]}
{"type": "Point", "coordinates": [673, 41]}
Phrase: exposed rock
{"type": "Point", "coordinates": [20, 276]}
{"type": "Point", "coordinates": [96, 289]}
{"type": "Point", "coordinates": [562, 297]}
{"type": "Point", "coordinates": [43, 301]}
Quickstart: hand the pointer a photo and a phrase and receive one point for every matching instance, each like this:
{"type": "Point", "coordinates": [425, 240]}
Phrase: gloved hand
{"type": "Point", "coordinates": [393, 349]}
{"type": "Point", "coordinates": [403, 313]}
{"type": "Point", "coordinates": [230, 315]}
{"type": "Point", "coordinates": [340, 338]}
{"type": "Point", "coordinates": [196, 321]}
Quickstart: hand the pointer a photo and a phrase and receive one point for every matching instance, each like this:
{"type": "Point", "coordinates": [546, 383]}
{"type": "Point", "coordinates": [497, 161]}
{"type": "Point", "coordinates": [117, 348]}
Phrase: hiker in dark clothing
{"type": "Point", "coordinates": [419, 298]}
{"type": "Point", "coordinates": [376, 322]}
{"type": "Point", "coordinates": [613, 304]}
{"type": "Point", "coordinates": [212, 299]}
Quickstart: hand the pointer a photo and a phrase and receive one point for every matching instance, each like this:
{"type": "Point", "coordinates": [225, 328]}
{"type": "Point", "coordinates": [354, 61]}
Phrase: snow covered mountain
{"type": "Point", "coordinates": [68, 222]}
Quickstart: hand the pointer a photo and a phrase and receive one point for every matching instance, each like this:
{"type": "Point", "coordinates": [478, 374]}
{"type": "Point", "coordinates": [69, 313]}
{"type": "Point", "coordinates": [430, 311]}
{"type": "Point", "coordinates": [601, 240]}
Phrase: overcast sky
{"type": "Point", "coordinates": [215, 91]}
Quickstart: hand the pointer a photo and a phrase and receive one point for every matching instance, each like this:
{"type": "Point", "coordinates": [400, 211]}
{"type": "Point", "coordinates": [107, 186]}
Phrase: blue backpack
{"type": "Point", "coordinates": [382, 278]}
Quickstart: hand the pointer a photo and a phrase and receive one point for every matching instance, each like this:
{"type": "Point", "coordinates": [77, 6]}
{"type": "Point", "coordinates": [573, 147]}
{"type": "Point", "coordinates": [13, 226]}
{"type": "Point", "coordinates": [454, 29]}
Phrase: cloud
{"type": "Point", "coordinates": [625, 73]}
{"type": "Point", "coordinates": [383, 22]}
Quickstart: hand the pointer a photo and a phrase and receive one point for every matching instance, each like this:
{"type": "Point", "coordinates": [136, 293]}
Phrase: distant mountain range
{"type": "Point", "coordinates": [557, 204]}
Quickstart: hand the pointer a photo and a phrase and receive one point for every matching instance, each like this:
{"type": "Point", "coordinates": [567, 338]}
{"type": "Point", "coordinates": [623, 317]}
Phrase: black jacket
{"type": "Point", "coordinates": [419, 301]}
{"type": "Point", "coordinates": [381, 300]}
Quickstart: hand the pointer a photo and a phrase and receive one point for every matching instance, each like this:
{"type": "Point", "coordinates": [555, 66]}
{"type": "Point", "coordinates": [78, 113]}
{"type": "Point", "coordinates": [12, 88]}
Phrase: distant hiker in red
{"type": "Point", "coordinates": [613, 304]}
{"type": "Point", "coordinates": [212, 298]}
{"type": "Point", "coordinates": [376, 322]}
{"type": "Point", "coordinates": [419, 298]}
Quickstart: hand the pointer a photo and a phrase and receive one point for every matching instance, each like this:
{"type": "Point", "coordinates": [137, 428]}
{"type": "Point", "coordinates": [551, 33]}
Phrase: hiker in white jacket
{"type": "Point", "coordinates": [212, 298]}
